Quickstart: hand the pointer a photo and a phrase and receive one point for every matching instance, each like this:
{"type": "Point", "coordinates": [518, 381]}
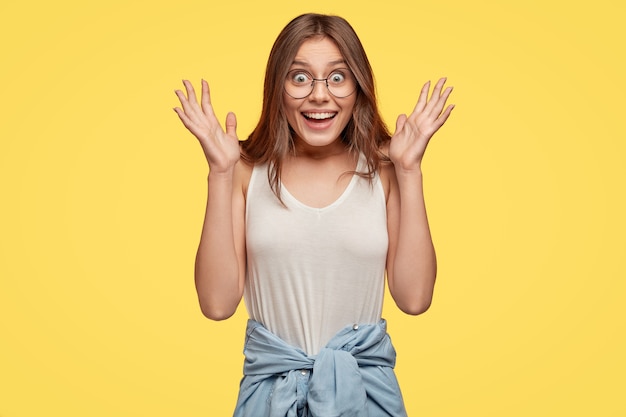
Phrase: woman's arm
{"type": "Point", "coordinates": [220, 260]}
{"type": "Point", "coordinates": [411, 261]}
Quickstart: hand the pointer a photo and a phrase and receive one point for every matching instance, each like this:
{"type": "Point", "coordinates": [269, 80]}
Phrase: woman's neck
{"type": "Point", "coordinates": [303, 150]}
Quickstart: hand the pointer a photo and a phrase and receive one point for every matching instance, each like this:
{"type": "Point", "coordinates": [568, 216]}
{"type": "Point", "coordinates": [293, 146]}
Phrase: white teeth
{"type": "Point", "coordinates": [319, 116]}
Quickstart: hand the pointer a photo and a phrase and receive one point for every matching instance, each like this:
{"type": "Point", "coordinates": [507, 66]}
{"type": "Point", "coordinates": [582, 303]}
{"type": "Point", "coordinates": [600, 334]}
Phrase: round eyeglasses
{"type": "Point", "coordinates": [300, 84]}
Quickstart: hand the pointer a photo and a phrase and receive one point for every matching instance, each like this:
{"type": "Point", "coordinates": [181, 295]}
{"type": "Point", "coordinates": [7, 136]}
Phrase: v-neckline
{"type": "Point", "coordinates": [344, 194]}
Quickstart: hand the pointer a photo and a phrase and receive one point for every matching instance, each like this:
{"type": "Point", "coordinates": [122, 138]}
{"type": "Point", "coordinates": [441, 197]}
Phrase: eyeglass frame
{"type": "Point", "coordinates": [314, 80]}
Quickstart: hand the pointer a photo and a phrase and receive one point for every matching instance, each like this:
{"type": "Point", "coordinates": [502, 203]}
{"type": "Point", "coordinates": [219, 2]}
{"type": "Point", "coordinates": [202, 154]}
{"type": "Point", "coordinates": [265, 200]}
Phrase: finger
{"type": "Point", "coordinates": [421, 101]}
{"type": "Point", "coordinates": [231, 124]}
{"type": "Point", "coordinates": [195, 110]}
{"type": "Point", "coordinates": [442, 119]}
{"type": "Point", "coordinates": [183, 101]}
{"type": "Point", "coordinates": [435, 97]}
{"type": "Point", "coordinates": [183, 117]}
{"type": "Point", "coordinates": [441, 102]}
{"type": "Point", "coordinates": [191, 97]}
{"type": "Point", "coordinates": [400, 122]}
{"type": "Point", "coordinates": [191, 93]}
{"type": "Point", "coordinates": [207, 108]}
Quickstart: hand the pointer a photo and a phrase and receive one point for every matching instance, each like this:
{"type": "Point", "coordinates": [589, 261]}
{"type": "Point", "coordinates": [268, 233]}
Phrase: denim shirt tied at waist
{"type": "Point", "coordinates": [351, 377]}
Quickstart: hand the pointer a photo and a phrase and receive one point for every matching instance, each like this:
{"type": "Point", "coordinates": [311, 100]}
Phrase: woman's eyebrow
{"type": "Point", "coordinates": [331, 63]}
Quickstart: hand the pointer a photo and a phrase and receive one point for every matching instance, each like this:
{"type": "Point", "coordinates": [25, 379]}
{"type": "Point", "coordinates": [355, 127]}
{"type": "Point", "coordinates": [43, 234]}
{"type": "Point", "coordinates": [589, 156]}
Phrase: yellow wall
{"type": "Point", "coordinates": [103, 193]}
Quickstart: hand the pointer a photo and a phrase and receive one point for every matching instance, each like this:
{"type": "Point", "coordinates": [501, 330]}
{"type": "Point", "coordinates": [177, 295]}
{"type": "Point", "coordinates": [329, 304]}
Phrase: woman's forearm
{"type": "Point", "coordinates": [219, 280]}
{"type": "Point", "coordinates": [415, 264]}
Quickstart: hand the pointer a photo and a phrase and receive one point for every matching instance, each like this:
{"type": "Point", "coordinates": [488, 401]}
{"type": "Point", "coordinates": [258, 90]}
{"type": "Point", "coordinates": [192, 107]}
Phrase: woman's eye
{"type": "Point", "coordinates": [337, 78]}
{"type": "Point", "coordinates": [300, 78]}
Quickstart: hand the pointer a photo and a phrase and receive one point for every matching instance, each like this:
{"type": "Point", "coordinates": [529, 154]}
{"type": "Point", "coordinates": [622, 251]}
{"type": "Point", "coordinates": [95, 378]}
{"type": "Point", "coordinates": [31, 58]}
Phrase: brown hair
{"type": "Point", "coordinates": [272, 138]}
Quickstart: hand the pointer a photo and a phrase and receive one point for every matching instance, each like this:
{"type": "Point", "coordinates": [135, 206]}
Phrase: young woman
{"type": "Point", "coordinates": [306, 217]}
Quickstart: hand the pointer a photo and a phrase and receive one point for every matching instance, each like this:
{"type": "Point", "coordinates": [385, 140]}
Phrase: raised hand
{"type": "Point", "coordinates": [413, 133]}
{"type": "Point", "coordinates": [221, 148]}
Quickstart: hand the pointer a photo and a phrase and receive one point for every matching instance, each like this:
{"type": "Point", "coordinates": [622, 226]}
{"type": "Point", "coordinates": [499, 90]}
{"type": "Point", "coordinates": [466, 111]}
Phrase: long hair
{"type": "Point", "coordinates": [272, 139]}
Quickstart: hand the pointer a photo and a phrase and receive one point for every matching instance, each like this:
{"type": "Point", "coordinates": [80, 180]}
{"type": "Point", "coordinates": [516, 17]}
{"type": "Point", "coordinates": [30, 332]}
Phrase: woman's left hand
{"type": "Point", "coordinates": [413, 133]}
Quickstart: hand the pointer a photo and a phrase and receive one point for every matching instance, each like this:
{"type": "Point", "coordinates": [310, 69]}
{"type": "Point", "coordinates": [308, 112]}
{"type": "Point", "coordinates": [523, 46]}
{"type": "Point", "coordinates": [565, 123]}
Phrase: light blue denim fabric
{"type": "Point", "coordinates": [351, 377]}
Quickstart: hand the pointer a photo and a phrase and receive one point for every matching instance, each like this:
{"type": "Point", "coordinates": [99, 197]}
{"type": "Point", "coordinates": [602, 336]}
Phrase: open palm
{"type": "Point", "coordinates": [413, 133]}
{"type": "Point", "coordinates": [221, 148]}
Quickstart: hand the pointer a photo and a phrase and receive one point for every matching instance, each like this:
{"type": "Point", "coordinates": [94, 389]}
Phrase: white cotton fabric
{"type": "Point", "coordinates": [313, 271]}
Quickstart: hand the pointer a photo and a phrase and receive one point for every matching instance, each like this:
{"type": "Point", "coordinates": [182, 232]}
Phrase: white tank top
{"type": "Point", "coordinates": [312, 271]}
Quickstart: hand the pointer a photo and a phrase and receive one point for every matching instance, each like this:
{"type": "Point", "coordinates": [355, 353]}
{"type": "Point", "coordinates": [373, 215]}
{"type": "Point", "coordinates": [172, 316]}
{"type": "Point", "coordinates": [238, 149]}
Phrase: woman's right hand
{"type": "Point", "coordinates": [221, 148]}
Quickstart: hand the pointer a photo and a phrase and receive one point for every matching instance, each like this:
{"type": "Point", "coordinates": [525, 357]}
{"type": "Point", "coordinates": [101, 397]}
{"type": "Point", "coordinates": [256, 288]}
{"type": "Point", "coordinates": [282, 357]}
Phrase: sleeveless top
{"type": "Point", "coordinates": [313, 271]}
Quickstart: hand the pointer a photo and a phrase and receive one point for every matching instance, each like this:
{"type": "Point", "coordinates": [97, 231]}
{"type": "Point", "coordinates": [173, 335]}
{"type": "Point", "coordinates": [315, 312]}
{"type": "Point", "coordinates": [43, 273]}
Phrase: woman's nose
{"type": "Point", "coordinates": [320, 91]}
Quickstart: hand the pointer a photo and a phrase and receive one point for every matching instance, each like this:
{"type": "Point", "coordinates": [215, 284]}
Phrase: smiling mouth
{"type": "Point", "coordinates": [319, 116]}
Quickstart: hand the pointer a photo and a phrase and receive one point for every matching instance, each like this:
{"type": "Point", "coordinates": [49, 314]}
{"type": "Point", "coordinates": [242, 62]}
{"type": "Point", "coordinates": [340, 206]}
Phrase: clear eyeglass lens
{"type": "Point", "coordinates": [300, 84]}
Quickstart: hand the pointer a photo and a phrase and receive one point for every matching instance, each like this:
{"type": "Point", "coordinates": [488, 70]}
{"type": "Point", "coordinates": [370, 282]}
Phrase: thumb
{"type": "Point", "coordinates": [231, 124]}
{"type": "Point", "coordinates": [400, 122]}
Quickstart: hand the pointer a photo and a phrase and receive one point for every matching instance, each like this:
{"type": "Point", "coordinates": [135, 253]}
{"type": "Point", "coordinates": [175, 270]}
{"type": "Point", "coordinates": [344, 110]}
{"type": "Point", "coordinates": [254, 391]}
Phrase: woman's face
{"type": "Point", "coordinates": [319, 118]}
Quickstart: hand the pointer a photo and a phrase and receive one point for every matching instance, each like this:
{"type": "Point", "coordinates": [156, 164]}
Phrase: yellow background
{"type": "Point", "coordinates": [103, 194]}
